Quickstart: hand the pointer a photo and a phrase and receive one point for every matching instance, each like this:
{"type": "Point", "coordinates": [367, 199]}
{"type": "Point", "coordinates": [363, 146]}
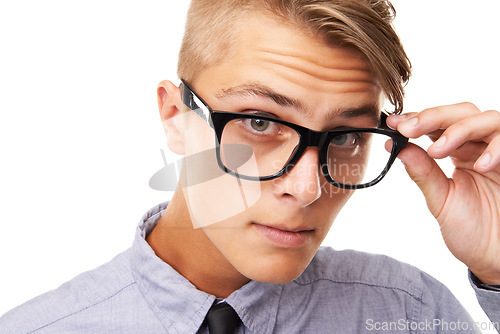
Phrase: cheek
{"type": "Point", "coordinates": [218, 199]}
{"type": "Point", "coordinates": [332, 201]}
{"type": "Point", "coordinates": [210, 193]}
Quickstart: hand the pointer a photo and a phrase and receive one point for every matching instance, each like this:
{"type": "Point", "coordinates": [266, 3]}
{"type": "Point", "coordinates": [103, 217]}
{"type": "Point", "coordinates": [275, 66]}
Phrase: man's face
{"type": "Point", "coordinates": [273, 237]}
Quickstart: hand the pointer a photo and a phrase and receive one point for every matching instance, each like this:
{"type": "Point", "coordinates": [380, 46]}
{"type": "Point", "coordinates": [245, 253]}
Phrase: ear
{"type": "Point", "coordinates": [171, 106]}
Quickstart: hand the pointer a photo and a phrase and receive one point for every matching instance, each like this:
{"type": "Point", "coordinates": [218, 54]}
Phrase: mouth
{"type": "Point", "coordinates": [284, 236]}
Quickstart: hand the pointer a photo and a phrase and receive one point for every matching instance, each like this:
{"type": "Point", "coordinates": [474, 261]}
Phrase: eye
{"type": "Point", "coordinates": [259, 124]}
{"type": "Point", "coordinates": [344, 140]}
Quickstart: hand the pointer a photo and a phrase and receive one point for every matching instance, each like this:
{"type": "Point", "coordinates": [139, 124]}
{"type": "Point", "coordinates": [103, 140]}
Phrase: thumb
{"type": "Point", "coordinates": [428, 176]}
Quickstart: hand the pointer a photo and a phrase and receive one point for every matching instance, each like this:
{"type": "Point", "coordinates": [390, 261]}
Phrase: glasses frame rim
{"type": "Point", "coordinates": [307, 138]}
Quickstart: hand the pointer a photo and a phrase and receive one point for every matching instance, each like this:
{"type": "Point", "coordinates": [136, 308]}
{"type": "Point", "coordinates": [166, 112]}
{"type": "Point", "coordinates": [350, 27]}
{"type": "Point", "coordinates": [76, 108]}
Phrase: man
{"type": "Point", "coordinates": [252, 243]}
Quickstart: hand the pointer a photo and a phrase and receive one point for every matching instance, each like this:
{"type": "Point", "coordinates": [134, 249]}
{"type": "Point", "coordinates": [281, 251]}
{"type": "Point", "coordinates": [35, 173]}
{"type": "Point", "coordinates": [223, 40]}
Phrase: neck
{"type": "Point", "coordinates": [191, 253]}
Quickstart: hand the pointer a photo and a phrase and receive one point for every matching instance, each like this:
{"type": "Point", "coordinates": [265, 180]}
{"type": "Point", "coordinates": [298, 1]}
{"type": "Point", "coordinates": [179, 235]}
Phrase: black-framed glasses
{"type": "Point", "coordinates": [260, 148]}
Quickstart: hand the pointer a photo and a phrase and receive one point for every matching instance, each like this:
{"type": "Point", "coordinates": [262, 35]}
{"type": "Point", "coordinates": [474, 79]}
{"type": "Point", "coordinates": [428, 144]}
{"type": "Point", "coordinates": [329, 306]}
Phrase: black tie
{"type": "Point", "coordinates": [222, 319]}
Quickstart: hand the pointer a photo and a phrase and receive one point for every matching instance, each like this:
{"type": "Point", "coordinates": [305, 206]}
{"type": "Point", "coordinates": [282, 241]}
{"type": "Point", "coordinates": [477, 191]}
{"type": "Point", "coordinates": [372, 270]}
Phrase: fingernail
{"type": "Point", "coordinates": [391, 127]}
{"type": "Point", "coordinates": [440, 142]}
{"type": "Point", "coordinates": [400, 115]}
{"type": "Point", "coordinates": [484, 160]}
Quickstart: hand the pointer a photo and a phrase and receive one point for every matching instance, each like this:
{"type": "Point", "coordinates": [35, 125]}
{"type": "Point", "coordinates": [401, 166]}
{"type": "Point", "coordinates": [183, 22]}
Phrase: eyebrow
{"type": "Point", "coordinates": [371, 111]}
{"type": "Point", "coordinates": [255, 89]}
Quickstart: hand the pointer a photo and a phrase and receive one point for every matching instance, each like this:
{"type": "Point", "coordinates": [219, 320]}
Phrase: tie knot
{"type": "Point", "coordinates": [222, 319]}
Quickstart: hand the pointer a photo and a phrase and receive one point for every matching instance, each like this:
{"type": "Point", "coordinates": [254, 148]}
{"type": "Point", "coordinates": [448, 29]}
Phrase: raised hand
{"type": "Point", "coordinates": [467, 205]}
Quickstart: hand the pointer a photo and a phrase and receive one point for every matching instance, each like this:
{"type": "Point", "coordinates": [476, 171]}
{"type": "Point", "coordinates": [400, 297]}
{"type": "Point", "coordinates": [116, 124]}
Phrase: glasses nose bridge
{"type": "Point", "coordinates": [315, 139]}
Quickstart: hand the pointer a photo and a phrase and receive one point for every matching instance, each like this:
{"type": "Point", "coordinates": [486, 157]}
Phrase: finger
{"type": "Point", "coordinates": [466, 155]}
{"type": "Point", "coordinates": [435, 135]}
{"type": "Point", "coordinates": [425, 172]}
{"type": "Point", "coordinates": [433, 119]}
{"type": "Point", "coordinates": [481, 127]}
{"type": "Point", "coordinates": [394, 120]}
{"type": "Point", "coordinates": [490, 159]}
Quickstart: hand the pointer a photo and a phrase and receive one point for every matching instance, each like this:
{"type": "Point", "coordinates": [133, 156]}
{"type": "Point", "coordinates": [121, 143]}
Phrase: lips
{"type": "Point", "coordinates": [283, 236]}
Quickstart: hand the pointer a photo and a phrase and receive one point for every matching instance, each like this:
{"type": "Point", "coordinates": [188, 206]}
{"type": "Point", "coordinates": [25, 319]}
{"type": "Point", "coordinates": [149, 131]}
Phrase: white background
{"type": "Point", "coordinates": [80, 134]}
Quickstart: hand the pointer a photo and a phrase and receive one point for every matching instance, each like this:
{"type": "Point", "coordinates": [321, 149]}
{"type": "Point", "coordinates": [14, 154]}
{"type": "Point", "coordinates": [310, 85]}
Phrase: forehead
{"type": "Point", "coordinates": [275, 54]}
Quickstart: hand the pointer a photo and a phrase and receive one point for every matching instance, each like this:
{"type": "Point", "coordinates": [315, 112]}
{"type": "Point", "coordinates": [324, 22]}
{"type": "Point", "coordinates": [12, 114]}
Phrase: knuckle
{"type": "Point", "coordinates": [426, 113]}
{"type": "Point", "coordinates": [495, 115]}
{"type": "Point", "coordinates": [468, 105]}
{"type": "Point", "coordinates": [458, 127]}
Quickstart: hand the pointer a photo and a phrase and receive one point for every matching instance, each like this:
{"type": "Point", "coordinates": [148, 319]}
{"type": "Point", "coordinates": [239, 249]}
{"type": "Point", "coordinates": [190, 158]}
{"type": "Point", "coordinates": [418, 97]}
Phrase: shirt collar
{"type": "Point", "coordinates": [178, 304]}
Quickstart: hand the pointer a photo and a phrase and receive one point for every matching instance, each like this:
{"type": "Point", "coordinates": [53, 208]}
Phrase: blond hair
{"type": "Point", "coordinates": [365, 25]}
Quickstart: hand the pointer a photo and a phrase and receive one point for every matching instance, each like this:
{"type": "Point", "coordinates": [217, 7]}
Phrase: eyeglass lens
{"type": "Point", "coordinates": [260, 148]}
{"type": "Point", "coordinates": [358, 157]}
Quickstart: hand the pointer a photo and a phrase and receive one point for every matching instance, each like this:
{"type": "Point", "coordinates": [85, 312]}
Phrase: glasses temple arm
{"type": "Point", "coordinates": [194, 102]}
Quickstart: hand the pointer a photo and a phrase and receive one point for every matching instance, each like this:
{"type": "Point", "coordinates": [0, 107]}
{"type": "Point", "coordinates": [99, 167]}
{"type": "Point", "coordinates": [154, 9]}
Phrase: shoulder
{"type": "Point", "coordinates": [365, 270]}
{"type": "Point", "coordinates": [78, 297]}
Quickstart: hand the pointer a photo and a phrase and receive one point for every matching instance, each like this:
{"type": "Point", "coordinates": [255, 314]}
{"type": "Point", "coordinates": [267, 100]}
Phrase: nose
{"type": "Point", "coordinates": [302, 183]}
